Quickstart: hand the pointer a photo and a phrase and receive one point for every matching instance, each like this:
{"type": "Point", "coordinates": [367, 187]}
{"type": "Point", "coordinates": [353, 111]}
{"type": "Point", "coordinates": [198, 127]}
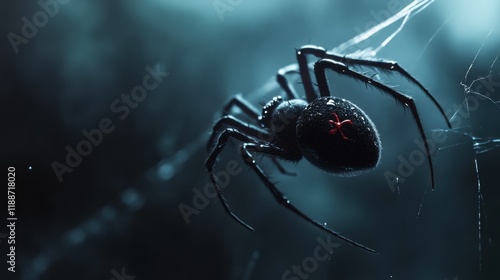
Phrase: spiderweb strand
{"type": "Point", "coordinates": [406, 13]}
{"type": "Point", "coordinates": [479, 144]}
{"type": "Point", "coordinates": [467, 90]}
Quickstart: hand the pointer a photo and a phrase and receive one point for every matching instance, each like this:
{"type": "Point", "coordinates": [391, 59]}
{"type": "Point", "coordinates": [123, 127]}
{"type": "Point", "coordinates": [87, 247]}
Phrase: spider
{"type": "Point", "coordinates": [333, 134]}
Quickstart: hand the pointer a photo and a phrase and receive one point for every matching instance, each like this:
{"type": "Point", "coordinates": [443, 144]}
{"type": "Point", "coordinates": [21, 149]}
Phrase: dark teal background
{"type": "Point", "coordinates": [119, 208]}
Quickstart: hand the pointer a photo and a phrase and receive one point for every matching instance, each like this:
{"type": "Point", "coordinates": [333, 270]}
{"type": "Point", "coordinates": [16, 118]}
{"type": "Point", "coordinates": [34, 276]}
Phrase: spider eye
{"type": "Point", "coordinates": [338, 137]}
{"type": "Point", "coordinates": [268, 110]}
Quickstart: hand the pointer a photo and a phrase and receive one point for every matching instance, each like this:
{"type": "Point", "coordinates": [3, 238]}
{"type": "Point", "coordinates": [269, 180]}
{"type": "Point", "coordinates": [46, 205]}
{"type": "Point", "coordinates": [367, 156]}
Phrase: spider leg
{"type": "Point", "coordinates": [384, 65]}
{"type": "Point", "coordinates": [283, 81]}
{"type": "Point", "coordinates": [278, 195]}
{"type": "Point", "coordinates": [210, 162]}
{"type": "Point", "coordinates": [304, 69]}
{"type": "Point", "coordinates": [391, 66]}
{"type": "Point", "coordinates": [246, 128]}
{"type": "Point", "coordinates": [282, 169]}
{"type": "Point", "coordinates": [243, 104]}
{"type": "Point", "coordinates": [323, 64]}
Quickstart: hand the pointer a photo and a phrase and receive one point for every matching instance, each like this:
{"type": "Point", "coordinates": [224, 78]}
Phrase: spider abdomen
{"type": "Point", "coordinates": [338, 137]}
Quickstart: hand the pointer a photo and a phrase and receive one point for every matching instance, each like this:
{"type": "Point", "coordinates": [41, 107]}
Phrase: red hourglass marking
{"type": "Point", "coordinates": [338, 125]}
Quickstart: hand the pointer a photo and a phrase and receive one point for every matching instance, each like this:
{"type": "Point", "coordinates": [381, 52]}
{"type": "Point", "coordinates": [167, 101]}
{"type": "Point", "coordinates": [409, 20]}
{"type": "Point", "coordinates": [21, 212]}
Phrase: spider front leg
{"type": "Point", "coordinates": [404, 100]}
{"type": "Point", "coordinates": [384, 65]}
{"type": "Point", "coordinates": [246, 153]}
{"type": "Point", "coordinates": [304, 69]}
{"type": "Point", "coordinates": [391, 66]}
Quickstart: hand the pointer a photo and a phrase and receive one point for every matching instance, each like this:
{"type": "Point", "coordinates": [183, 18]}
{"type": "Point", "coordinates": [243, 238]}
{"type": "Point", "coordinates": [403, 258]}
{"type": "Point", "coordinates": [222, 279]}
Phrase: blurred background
{"type": "Point", "coordinates": [130, 205]}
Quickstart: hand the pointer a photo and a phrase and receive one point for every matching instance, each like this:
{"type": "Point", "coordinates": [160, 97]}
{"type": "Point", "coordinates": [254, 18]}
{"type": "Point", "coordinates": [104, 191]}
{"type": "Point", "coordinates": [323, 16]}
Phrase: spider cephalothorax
{"type": "Point", "coordinates": [332, 133]}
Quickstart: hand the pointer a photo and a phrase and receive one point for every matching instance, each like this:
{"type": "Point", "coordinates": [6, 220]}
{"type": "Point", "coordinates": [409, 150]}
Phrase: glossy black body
{"type": "Point", "coordinates": [331, 152]}
{"type": "Point", "coordinates": [332, 133]}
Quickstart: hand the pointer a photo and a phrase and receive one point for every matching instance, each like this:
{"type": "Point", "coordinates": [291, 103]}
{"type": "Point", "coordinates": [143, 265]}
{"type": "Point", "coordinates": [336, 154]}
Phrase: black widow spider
{"type": "Point", "coordinates": [332, 133]}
